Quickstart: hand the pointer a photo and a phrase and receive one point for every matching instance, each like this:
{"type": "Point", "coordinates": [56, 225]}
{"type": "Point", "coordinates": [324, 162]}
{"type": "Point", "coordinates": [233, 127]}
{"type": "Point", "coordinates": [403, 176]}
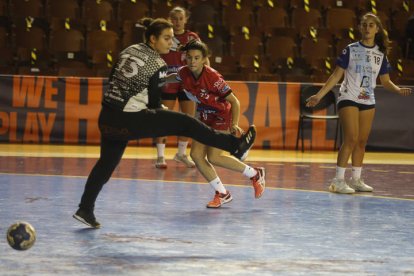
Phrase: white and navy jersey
{"type": "Point", "coordinates": [136, 80]}
{"type": "Point", "coordinates": [362, 66]}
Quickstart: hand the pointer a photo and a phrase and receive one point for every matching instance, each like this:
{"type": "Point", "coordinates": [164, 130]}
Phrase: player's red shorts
{"type": "Point", "coordinates": [218, 121]}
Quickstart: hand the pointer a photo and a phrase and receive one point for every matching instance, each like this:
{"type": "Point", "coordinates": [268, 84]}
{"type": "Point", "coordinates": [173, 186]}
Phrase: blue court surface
{"type": "Point", "coordinates": [163, 228]}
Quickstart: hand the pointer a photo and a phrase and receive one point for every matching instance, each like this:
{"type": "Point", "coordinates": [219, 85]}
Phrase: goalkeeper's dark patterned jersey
{"type": "Point", "coordinates": [136, 80]}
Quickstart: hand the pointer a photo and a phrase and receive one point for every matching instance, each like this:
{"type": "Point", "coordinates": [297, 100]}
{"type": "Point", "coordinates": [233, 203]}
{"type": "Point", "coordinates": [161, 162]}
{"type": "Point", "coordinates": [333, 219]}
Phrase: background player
{"type": "Point", "coordinates": [361, 62]}
{"type": "Point", "coordinates": [173, 91]}
{"type": "Point", "coordinates": [218, 108]}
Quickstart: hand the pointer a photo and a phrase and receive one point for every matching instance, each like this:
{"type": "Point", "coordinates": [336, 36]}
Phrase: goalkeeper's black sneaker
{"type": "Point", "coordinates": [87, 217]}
{"type": "Point", "coordinates": [246, 142]}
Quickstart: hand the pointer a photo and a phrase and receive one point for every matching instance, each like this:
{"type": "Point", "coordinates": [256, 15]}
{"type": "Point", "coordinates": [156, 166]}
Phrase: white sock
{"type": "Point", "coordinates": [249, 171]}
{"type": "Point", "coordinates": [217, 185]}
{"type": "Point", "coordinates": [160, 150]}
{"type": "Point", "coordinates": [356, 172]}
{"type": "Point", "coordinates": [340, 172]}
{"type": "Point", "coordinates": [182, 147]}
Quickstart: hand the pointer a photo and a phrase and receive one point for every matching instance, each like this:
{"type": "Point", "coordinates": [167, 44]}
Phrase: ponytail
{"type": "Point", "coordinates": [154, 26]}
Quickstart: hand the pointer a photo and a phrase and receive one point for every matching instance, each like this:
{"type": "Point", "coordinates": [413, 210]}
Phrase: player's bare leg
{"type": "Point", "coordinates": [187, 107]}
{"type": "Point", "coordinates": [365, 123]}
{"type": "Point", "coordinates": [160, 162]}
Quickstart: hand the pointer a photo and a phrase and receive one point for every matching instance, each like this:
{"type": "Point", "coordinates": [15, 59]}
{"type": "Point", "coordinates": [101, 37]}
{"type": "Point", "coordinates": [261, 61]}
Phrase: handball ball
{"type": "Point", "coordinates": [21, 235]}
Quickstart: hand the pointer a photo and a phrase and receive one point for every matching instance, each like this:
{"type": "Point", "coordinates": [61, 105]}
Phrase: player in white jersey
{"type": "Point", "coordinates": [360, 63]}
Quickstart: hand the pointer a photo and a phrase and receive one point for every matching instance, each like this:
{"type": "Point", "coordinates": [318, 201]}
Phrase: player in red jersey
{"type": "Point", "coordinates": [172, 91]}
{"type": "Point", "coordinates": [218, 108]}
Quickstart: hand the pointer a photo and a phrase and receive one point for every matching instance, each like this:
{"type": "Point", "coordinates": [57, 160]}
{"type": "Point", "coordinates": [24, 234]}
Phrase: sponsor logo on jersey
{"type": "Point", "coordinates": [163, 74]}
{"type": "Point", "coordinates": [205, 110]}
{"type": "Point", "coordinates": [173, 69]}
{"type": "Point", "coordinates": [221, 85]}
{"type": "Point", "coordinates": [218, 83]}
{"type": "Point", "coordinates": [204, 94]}
{"type": "Point", "coordinates": [363, 95]}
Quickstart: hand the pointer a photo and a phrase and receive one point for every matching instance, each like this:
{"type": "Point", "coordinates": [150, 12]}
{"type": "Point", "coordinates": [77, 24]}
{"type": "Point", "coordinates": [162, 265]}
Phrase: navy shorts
{"type": "Point", "coordinates": [361, 107]}
{"type": "Point", "coordinates": [173, 96]}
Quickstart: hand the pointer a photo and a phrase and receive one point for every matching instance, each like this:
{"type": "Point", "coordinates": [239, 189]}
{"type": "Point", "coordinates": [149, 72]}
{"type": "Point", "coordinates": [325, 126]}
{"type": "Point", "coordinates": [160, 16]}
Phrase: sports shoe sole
{"type": "Point", "coordinates": [246, 153]}
{"type": "Point", "coordinates": [212, 207]}
{"type": "Point", "coordinates": [85, 222]}
{"type": "Point", "coordinates": [358, 188]}
{"type": "Point", "coordinates": [333, 190]}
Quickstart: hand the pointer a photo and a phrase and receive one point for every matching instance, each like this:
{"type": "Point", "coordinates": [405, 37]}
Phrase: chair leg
{"type": "Point", "coordinates": [302, 135]}
{"type": "Point", "coordinates": [310, 136]}
{"type": "Point", "coordinates": [298, 135]}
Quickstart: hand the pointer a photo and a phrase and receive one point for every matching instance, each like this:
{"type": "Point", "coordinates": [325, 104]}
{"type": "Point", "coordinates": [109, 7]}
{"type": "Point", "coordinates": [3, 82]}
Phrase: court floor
{"type": "Point", "coordinates": [155, 221]}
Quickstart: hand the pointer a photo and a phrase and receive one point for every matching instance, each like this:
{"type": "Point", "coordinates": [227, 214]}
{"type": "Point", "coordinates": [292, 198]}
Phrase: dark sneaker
{"type": "Point", "coordinates": [87, 217]}
{"type": "Point", "coordinates": [246, 142]}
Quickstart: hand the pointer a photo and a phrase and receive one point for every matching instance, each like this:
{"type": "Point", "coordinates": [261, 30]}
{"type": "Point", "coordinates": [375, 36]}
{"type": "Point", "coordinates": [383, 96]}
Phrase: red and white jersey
{"type": "Point", "coordinates": [208, 91]}
{"type": "Point", "coordinates": [176, 58]}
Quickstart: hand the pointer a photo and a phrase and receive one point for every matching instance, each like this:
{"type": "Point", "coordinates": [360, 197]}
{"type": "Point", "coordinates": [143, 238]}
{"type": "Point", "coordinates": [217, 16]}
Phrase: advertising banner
{"type": "Point", "coordinates": [35, 109]}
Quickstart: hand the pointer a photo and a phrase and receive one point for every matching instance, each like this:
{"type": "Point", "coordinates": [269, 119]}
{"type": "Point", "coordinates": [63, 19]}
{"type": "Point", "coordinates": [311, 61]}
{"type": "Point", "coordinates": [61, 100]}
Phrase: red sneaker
{"type": "Point", "coordinates": [219, 199]}
{"type": "Point", "coordinates": [259, 182]}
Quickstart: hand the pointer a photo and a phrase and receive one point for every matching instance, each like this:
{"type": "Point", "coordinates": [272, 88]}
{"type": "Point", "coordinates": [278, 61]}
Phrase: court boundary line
{"type": "Point", "coordinates": [204, 183]}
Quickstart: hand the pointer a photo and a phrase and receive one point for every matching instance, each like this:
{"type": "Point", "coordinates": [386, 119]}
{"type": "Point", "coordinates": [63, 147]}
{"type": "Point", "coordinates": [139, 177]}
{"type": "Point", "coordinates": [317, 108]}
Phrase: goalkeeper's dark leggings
{"type": "Point", "coordinates": [117, 128]}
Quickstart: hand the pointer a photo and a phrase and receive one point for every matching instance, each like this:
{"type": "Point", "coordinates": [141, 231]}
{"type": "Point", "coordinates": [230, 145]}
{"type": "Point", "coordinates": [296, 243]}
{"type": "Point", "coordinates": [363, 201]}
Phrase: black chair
{"type": "Point", "coordinates": [328, 102]}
